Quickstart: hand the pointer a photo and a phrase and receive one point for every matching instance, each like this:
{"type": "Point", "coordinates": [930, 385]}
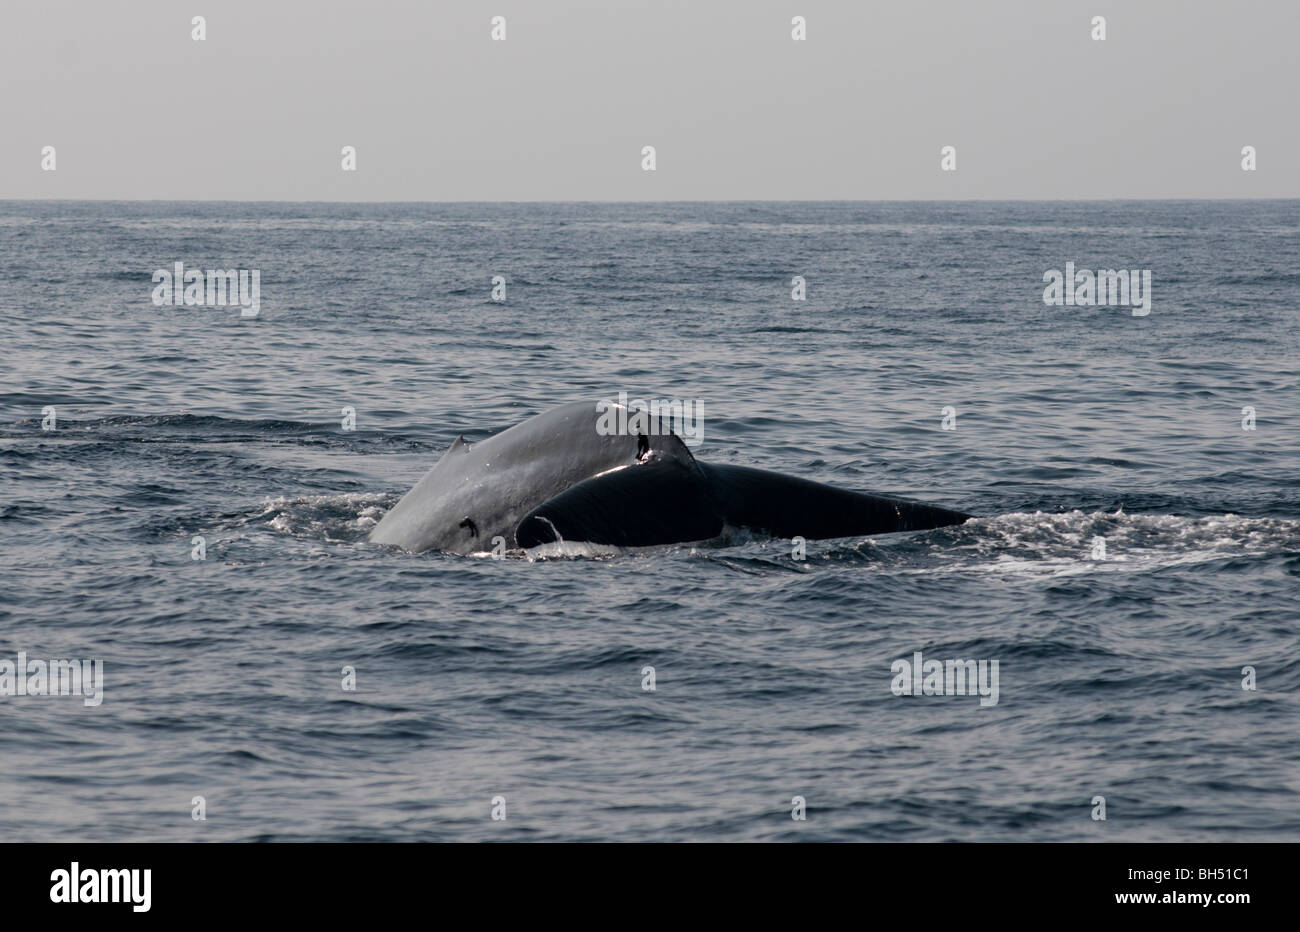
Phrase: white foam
{"type": "Point", "coordinates": [1061, 544]}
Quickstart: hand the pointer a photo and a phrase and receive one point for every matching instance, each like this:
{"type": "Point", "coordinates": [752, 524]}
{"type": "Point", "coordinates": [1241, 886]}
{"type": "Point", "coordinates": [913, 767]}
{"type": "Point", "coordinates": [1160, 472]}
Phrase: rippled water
{"type": "Point", "coordinates": [477, 678]}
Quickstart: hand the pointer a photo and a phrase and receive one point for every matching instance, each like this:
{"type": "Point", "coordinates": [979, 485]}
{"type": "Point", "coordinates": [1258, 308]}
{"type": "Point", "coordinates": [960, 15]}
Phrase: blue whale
{"type": "Point", "coordinates": [558, 478]}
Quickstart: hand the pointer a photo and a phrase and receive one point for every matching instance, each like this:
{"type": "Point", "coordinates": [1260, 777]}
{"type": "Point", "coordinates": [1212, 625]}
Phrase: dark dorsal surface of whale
{"type": "Point", "coordinates": [557, 478]}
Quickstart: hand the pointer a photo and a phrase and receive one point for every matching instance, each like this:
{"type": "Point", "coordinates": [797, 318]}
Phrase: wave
{"type": "Point", "coordinates": [1265, 278]}
{"type": "Point", "coordinates": [203, 428]}
{"type": "Point", "coordinates": [1014, 545]}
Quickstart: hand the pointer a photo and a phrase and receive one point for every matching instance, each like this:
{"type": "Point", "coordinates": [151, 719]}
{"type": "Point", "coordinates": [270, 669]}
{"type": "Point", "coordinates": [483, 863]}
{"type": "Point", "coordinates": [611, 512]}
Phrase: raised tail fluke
{"type": "Point", "coordinates": [677, 500]}
{"type": "Point", "coordinates": [788, 507]}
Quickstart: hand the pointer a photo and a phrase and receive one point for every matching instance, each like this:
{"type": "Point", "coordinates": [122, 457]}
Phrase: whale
{"type": "Point", "coordinates": [561, 477]}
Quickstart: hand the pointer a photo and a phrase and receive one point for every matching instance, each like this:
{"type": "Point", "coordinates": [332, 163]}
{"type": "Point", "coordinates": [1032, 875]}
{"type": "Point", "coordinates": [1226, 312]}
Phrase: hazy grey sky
{"type": "Point", "coordinates": [735, 108]}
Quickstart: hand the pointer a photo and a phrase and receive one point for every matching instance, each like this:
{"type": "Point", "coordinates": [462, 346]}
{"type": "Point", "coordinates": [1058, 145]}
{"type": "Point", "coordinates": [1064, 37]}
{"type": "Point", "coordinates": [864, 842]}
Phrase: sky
{"type": "Point", "coordinates": [562, 108]}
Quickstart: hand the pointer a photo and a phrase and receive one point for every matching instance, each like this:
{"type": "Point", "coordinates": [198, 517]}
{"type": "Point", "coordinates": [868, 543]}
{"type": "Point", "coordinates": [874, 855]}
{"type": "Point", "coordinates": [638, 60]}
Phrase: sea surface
{"type": "Point", "coordinates": [1119, 677]}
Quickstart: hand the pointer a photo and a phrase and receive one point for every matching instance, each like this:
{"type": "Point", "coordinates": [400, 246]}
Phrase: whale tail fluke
{"type": "Point", "coordinates": [784, 506]}
{"type": "Point", "coordinates": [664, 500]}
{"type": "Point", "coordinates": [675, 500]}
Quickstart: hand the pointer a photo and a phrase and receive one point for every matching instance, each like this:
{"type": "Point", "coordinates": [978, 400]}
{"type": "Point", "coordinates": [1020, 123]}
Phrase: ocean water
{"type": "Point", "coordinates": [475, 678]}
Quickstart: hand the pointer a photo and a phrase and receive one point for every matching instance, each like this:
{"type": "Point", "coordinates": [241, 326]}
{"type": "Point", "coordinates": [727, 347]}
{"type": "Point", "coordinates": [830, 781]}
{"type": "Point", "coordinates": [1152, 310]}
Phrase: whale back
{"type": "Point", "coordinates": [480, 491]}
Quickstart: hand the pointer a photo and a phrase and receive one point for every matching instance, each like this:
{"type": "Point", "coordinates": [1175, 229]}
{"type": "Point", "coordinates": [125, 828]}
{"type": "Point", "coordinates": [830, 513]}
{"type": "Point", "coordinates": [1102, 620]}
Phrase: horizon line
{"type": "Point", "coordinates": [892, 200]}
